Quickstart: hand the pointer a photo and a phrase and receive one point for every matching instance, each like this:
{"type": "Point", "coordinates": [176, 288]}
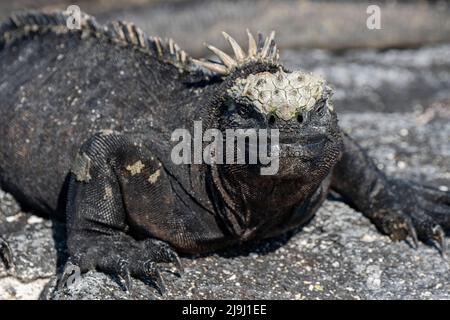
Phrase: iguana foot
{"type": "Point", "coordinates": [419, 212]}
{"type": "Point", "coordinates": [120, 255]}
{"type": "Point", "coordinates": [6, 253]}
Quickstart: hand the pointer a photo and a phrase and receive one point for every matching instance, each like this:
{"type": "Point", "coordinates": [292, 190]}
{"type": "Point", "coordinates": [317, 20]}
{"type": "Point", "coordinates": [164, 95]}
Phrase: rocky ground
{"type": "Point", "coordinates": [396, 103]}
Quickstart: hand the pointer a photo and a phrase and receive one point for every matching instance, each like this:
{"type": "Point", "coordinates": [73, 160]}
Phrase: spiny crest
{"type": "Point", "coordinates": [265, 50]}
{"type": "Point", "coordinates": [23, 24]}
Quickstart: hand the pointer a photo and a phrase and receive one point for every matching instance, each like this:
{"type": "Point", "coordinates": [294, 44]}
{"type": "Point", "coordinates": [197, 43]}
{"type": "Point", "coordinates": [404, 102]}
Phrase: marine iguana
{"type": "Point", "coordinates": [86, 120]}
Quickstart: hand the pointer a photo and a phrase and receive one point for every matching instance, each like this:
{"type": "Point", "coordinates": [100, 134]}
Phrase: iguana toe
{"type": "Point", "coordinates": [151, 270]}
{"type": "Point", "coordinates": [166, 254]}
{"type": "Point", "coordinates": [437, 234]}
{"type": "Point", "coordinates": [398, 226]}
{"type": "Point", "coordinates": [420, 212]}
{"type": "Point", "coordinates": [65, 279]}
{"type": "Point", "coordinates": [125, 274]}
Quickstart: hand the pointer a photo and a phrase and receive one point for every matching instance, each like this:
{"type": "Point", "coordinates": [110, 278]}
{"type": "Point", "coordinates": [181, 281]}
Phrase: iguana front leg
{"type": "Point", "coordinates": [109, 178]}
{"type": "Point", "coordinates": [397, 207]}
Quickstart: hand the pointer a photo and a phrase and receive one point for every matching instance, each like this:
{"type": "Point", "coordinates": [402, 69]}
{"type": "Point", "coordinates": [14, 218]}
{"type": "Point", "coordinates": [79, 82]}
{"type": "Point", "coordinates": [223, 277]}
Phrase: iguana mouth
{"type": "Point", "coordinates": [308, 146]}
{"type": "Point", "coordinates": [293, 139]}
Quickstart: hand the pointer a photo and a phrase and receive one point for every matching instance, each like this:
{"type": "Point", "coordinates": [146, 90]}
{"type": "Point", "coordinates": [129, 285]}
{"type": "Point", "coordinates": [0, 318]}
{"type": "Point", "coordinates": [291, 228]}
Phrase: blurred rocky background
{"type": "Point", "coordinates": [392, 92]}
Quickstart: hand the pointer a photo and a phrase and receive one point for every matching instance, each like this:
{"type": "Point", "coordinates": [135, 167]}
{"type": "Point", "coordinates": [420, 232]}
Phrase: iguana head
{"type": "Point", "coordinates": [258, 92]}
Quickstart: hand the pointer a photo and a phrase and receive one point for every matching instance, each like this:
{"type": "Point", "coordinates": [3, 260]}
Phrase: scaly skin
{"type": "Point", "coordinates": [87, 117]}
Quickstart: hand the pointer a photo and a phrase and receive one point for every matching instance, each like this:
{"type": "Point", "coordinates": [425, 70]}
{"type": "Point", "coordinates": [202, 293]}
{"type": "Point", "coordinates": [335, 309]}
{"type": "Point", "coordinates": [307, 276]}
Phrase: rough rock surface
{"type": "Point", "coordinates": [335, 25]}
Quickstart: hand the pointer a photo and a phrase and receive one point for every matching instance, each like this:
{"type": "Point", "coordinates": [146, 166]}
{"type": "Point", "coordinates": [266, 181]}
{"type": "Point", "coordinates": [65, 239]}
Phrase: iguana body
{"type": "Point", "coordinates": [86, 118]}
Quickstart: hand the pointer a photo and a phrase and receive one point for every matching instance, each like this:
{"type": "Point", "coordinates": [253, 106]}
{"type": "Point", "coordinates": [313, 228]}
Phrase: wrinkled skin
{"type": "Point", "coordinates": [127, 205]}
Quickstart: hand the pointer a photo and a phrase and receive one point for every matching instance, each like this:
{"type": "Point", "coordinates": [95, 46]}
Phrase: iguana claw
{"type": "Point", "coordinates": [178, 264]}
{"type": "Point", "coordinates": [69, 269]}
{"type": "Point", "coordinates": [413, 234]}
{"type": "Point", "coordinates": [173, 257]}
{"type": "Point", "coordinates": [125, 274]}
{"type": "Point", "coordinates": [439, 237]}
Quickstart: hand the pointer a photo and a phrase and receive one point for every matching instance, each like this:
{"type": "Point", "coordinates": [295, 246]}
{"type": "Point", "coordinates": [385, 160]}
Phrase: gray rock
{"type": "Point", "coordinates": [340, 255]}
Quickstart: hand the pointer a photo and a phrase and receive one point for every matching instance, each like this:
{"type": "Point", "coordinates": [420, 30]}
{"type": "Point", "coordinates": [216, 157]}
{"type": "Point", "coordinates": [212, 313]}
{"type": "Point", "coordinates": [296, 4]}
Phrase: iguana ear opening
{"type": "Point", "coordinates": [265, 51]}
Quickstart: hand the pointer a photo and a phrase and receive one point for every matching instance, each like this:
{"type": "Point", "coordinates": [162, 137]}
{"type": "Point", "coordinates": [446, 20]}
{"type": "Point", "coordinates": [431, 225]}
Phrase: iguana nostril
{"type": "Point", "coordinates": [300, 118]}
{"type": "Point", "coordinates": [271, 119]}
